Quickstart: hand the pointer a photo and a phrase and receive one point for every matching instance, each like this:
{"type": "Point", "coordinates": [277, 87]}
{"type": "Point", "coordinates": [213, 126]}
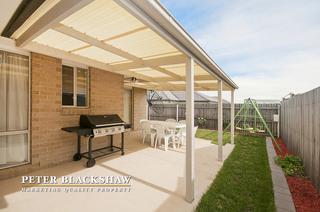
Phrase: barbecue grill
{"type": "Point", "coordinates": [93, 126]}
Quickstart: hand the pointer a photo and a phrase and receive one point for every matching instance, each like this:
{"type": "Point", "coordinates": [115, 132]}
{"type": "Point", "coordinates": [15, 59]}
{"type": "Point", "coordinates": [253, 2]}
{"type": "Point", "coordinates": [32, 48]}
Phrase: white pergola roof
{"type": "Point", "coordinates": [121, 36]}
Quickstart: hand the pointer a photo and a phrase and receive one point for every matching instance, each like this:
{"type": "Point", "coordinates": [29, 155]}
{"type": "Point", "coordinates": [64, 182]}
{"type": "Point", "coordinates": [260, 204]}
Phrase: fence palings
{"type": "Point", "coordinates": [300, 129]}
{"type": "Point", "coordinates": [209, 111]}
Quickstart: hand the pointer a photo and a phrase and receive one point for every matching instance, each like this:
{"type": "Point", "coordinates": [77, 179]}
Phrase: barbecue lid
{"type": "Point", "coordinates": [94, 121]}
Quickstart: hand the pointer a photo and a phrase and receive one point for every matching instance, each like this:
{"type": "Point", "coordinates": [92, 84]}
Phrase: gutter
{"type": "Point", "coordinates": [22, 13]}
{"type": "Point", "coordinates": [160, 14]}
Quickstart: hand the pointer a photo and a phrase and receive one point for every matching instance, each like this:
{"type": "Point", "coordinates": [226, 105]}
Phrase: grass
{"type": "Point", "coordinates": [244, 183]}
{"type": "Point", "coordinates": [213, 136]}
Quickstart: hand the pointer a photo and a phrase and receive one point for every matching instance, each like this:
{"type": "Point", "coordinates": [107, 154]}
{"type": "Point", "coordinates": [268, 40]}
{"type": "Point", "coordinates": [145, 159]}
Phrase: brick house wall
{"type": "Point", "coordinates": [139, 109]}
{"type": "Point", "coordinates": [49, 145]}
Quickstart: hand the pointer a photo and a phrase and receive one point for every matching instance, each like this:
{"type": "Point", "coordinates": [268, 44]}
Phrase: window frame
{"type": "Point", "coordinates": [75, 82]}
{"type": "Point", "coordinates": [9, 49]}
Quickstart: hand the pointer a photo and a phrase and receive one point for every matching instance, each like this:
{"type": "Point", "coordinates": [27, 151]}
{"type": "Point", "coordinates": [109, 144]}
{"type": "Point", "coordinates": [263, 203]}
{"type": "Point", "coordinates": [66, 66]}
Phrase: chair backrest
{"type": "Point", "coordinates": [182, 122]}
{"type": "Point", "coordinates": [146, 127]}
{"type": "Point", "coordinates": [195, 130]}
{"type": "Point", "coordinates": [160, 129]}
{"type": "Point", "coordinates": [171, 120]}
{"type": "Point", "coordinates": [183, 130]}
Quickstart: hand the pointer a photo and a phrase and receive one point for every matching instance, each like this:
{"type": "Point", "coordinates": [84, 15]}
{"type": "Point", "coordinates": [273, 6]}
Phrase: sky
{"type": "Point", "coordinates": [268, 47]}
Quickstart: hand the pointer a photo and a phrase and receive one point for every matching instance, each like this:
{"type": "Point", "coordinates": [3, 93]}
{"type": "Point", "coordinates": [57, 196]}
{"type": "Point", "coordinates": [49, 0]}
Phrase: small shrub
{"type": "Point", "coordinates": [291, 165]}
{"type": "Point", "coordinates": [202, 122]}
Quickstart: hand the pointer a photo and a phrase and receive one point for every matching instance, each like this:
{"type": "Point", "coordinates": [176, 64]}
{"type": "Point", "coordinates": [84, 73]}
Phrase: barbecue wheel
{"type": "Point", "coordinates": [77, 157]}
{"type": "Point", "coordinates": [91, 162]}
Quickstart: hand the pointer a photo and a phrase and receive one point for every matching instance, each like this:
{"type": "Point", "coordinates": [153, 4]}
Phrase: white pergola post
{"type": "Point", "coordinates": [220, 119]}
{"type": "Point", "coordinates": [232, 118]}
{"type": "Point", "coordinates": [177, 112]}
{"type": "Point", "coordinates": [189, 130]}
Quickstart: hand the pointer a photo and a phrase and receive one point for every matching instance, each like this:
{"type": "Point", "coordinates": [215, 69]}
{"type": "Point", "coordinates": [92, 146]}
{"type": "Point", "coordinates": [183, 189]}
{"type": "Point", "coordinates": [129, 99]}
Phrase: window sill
{"type": "Point", "coordinates": [14, 165]}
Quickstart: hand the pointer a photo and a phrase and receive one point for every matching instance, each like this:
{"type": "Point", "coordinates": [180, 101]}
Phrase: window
{"type": "Point", "coordinates": [14, 114]}
{"type": "Point", "coordinates": [75, 86]}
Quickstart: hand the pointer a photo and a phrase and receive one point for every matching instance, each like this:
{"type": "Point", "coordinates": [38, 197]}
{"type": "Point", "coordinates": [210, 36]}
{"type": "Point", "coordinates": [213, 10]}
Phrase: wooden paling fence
{"type": "Point", "coordinates": [209, 111]}
{"type": "Point", "coordinates": [300, 129]}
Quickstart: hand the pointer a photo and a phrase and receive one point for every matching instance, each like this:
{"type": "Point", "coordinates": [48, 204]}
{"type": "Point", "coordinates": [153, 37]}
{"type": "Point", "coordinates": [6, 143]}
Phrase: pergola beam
{"type": "Point", "coordinates": [57, 13]}
{"type": "Point", "coordinates": [113, 37]}
{"type": "Point", "coordinates": [166, 60]}
{"type": "Point", "coordinates": [125, 33]}
{"type": "Point", "coordinates": [196, 78]}
{"type": "Point", "coordinates": [181, 87]}
{"type": "Point", "coordinates": [94, 42]}
{"type": "Point", "coordinates": [165, 71]}
{"type": "Point", "coordinates": [144, 86]}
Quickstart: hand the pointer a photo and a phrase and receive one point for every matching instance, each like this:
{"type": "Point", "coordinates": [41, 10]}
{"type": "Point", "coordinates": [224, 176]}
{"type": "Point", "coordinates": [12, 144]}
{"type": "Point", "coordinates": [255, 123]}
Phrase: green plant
{"type": "Point", "coordinates": [291, 165]}
{"type": "Point", "coordinates": [202, 122]}
{"type": "Point", "coordinates": [225, 125]}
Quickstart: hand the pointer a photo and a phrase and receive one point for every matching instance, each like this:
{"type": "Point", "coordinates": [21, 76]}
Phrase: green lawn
{"type": "Point", "coordinates": [212, 135]}
{"type": "Point", "coordinates": [244, 183]}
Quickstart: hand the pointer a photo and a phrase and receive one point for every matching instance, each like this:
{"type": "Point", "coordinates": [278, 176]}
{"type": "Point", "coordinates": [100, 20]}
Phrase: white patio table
{"type": "Point", "coordinates": [172, 126]}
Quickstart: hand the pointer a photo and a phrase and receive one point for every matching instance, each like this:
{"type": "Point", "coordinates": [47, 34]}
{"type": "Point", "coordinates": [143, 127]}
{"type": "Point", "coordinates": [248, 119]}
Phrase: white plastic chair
{"type": "Point", "coordinates": [182, 135]}
{"type": "Point", "coordinates": [171, 120]}
{"type": "Point", "coordinates": [162, 133]}
{"type": "Point", "coordinates": [182, 122]}
{"type": "Point", "coordinates": [147, 130]}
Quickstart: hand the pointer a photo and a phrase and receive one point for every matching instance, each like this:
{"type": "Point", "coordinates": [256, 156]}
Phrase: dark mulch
{"type": "Point", "coordinates": [304, 193]}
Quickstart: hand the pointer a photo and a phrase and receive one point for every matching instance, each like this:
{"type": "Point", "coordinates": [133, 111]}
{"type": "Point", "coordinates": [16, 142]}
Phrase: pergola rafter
{"type": "Point", "coordinates": [101, 44]}
{"type": "Point", "coordinates": [113, 37]}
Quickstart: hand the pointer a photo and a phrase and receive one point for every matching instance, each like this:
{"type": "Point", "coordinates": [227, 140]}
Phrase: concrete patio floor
{"type": "Point", "coordinates": [157, 183]}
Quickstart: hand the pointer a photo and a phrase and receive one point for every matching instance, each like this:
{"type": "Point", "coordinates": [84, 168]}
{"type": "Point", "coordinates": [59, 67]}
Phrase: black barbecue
{"type": "Point", "coordinates": [92, 126]}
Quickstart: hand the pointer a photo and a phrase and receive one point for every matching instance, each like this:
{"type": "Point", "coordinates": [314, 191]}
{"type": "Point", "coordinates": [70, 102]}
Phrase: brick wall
{"type": "Point", "coordinates": [49, 145]}
{"type": "Point", "coordinates": [139, 106]}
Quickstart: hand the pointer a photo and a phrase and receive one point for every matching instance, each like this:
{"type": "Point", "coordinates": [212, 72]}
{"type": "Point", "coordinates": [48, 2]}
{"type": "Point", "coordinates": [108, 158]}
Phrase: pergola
{"type": "Point", "coordinates": [133, 38]}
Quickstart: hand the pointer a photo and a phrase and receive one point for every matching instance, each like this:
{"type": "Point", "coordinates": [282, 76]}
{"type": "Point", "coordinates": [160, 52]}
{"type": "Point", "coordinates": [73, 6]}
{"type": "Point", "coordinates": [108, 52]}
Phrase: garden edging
{"type": "Point", "coordinates": [282, 195]}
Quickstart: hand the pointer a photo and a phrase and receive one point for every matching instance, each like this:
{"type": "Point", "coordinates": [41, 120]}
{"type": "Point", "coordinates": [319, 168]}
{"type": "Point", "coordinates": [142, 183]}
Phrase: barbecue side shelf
{"type": "Point", "coordinates": [92, 154]}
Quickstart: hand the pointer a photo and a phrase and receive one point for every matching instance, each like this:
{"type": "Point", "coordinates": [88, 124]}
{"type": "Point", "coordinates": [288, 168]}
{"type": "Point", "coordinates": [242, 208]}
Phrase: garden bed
{"type": "Point", "coordinates": [304, 193]}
